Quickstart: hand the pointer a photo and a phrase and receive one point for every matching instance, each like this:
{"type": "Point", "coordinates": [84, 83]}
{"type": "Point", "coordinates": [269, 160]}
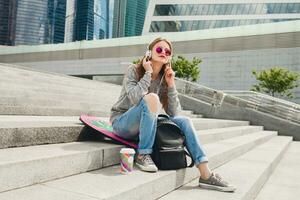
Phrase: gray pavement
{"type": "Point", "coordinates": [284, 182]}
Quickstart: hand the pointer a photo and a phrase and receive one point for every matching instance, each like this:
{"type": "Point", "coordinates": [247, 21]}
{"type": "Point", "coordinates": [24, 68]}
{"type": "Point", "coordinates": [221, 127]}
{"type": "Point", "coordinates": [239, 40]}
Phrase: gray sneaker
{"type": "Point", "coordinates": [145, 163]}
{"type": "Point", "coordinates": [215, 182]}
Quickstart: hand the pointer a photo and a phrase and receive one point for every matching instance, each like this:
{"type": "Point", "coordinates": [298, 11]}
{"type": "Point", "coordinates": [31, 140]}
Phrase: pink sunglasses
{"type": "Point", "coordinates": [160, 50]}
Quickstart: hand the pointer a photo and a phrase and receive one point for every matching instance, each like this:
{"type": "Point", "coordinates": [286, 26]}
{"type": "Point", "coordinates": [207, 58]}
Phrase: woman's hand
{"type": "Point", "coordinates": [147, 65]}
{"type": "Point", "coordinates": [169, 75]}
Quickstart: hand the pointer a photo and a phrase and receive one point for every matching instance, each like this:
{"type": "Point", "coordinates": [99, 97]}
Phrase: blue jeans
{"type": "Point", "coordinates": [139, 122]}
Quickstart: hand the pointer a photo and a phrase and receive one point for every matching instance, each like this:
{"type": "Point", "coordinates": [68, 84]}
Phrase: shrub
{"type": "Point", "coordinates": [276, 80]}
{"type": "Point", "coordinates": [186, 69]}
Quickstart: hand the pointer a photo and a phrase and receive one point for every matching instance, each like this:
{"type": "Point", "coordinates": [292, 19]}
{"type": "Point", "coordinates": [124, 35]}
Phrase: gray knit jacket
{"type": "Point", "coordinates": [133, 91]}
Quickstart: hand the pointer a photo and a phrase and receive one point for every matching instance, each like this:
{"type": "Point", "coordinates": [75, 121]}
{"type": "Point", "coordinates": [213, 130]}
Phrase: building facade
{"type": "Point", "coordinates": [32, 21]}
{"type": "Point", "coordinates": [177, 16]}
{"type": "Point", "coordinates": [129, 17]}
{"type": "Point", "coordinates": [91, 20]}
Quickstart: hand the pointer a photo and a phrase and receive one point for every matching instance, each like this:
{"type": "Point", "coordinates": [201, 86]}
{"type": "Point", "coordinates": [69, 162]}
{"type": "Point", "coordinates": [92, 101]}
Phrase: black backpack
{"type": "Point", "coordinates": [169, 147]}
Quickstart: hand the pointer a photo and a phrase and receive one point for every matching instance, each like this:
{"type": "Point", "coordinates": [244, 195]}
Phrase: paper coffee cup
{"type": "Point", "coordinates": [126, 161]}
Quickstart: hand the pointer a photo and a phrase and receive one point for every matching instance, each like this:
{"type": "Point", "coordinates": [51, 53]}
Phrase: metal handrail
{"type": "Point", "coordinates": [247, 99]}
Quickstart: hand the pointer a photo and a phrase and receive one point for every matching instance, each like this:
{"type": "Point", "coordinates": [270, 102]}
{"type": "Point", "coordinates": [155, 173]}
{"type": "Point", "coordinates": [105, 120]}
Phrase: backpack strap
{"type": "Point", "coordinates": [189, 155]}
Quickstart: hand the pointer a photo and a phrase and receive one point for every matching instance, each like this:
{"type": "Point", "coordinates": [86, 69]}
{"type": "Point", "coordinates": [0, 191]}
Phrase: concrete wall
{"type": "Point", "coordinates": [233, 70]}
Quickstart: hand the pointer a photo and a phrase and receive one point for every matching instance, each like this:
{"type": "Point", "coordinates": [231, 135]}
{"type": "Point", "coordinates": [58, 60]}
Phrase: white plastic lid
{"type": "Point", "coordinates": [127, 150]}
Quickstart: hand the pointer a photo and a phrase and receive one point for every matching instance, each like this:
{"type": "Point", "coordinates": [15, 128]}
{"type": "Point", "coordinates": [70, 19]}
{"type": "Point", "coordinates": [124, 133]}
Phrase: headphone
{"type": "Point", "coordinates": [148, 53]}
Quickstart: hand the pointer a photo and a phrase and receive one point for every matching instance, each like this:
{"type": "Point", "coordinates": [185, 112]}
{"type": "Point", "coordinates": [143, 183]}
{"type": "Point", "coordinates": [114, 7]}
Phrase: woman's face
{"type": "Point", "coordinates": [161, 52]}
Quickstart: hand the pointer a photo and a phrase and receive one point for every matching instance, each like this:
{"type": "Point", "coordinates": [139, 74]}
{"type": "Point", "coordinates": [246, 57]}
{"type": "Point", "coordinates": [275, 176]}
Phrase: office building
{"type": "Point", "coordinates": [176, 15]}
{"type": "Point", "coordinates": [32, 21]}
{"type": "Point", "coordinates": [129, 16]}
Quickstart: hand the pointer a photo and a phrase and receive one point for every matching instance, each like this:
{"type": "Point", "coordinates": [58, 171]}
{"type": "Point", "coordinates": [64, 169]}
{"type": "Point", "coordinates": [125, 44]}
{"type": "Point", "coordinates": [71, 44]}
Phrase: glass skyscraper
{"type": "Point", "coordinates": [53, 21]}
{"type": "Point", "coordinates": [32, 21]}
{"type": "Point", "coordinates": [70, 20]}
{"type": "Point", "coordinates": [129, 17]}
{"type": "Point", "coordinates": [175, 16]}
{"type": "Point", "coordinates": [92, 20]}
{"type": "Point", "coordinates": [87, 20]}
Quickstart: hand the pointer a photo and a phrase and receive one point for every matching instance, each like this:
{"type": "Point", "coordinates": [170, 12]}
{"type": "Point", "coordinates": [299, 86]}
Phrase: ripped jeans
{"type": "Point", "coordinates": [139, 122]}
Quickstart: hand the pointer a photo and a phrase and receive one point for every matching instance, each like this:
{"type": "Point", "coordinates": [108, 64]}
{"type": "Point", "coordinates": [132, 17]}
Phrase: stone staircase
{"type": "Point", "coordinates": [46, 153]}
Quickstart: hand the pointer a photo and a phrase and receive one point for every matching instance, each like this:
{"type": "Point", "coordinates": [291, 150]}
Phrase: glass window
{"type": "Point", "coordinates": [271, 7]}
{"type": "Point", "coordinates": [197, 10]}
{"type": "Point", "coordinates": [201, 24]}
{"type": "Point", "coordinates": [239, 8]}
{"type": "Point", "coordinates": [205, 9]}
{"type": "Point", "coordinates": [218, 24]}
{"type": "Point", "coordinates": [180, 9]}
{"type": "Point", "coordinates": [283, 8]}
{"type": "Point", "coordinates": [231, 22]}
{"type": "Point", "coordinates": [175, 10]}
{"type": "Point", "coordinates": [242, 22]}
{"type": "Point", "coordinates": [222, 9]}
{"type": "Point", "coordinates": [277, 8]}
{"type": "Point", "coordinates": [252, 9]}
{"type": "Point", "coordinates": [212, 24]}
{"type": "Point", "coordinates": [234, 9]}
{"type": "Point", "coordinates": [189, 25]}
{"type": "Point", "coordinates": [185, 10]}
{"type": "Point", "coordinates": [206, 24]}
{"type": "Point", "coordinates": [225, 23]}
{"type": "Point", "coordinates": [243, 9]}
{"type": "Point", "coordinates": [237, 22]}
{"type": "Point", "coordinates": [211, 9]}
{"type": "Point", "coordinates": [217, 9]}
{"type": "Point", "coordinates": [261, 8]}
{"type": "Point", "coordinates": [161, 10]}
{"type": "Point", "coordinates": [297, 7]}
{"type": "Point", "coordinates": [254, 21]}
{"type": "Point", "coordinates": [193, 10]}
{"type": "Point", "coordinates": [292, 8]}
{"type": "Point", "coordinates": [194, 25]}
{"type": "Point", "coordinates": [229, 9]}
{"type": "Point", "coordinates": [200, 10]}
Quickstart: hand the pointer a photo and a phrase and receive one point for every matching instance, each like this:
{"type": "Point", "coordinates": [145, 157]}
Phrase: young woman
{"type": "Point", "coordinates": [148, 87]}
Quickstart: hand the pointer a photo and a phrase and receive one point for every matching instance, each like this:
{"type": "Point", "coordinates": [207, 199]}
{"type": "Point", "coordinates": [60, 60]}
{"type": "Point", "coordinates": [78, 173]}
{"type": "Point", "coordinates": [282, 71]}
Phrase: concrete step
{"type": "Point", "coordinates": [248, 172]}
{"type": "Point", "coordinates": [206, 123]}
{"type": "Point", "coordinates": [284, 182]}
{"type": "Point", "coordinates": [37, 76]}
{"type": "Point", "coordinates": [104, 89]}
{"type": "Point", "coordinates": [189, 113]}
{"type": "Point", "coordinates": [88, 102]}
{"type": "Point", "coordinates": [15, 91]}
{"type": "Point", "coordinates": [105, 183]}
{"type": "Point", "coordinates": [48, 111]}
{"type": "Point", "coordinates": [19, 131]}
{"type": "Point", "coordinates": [28, 165]}
{"type": "Point", "coordinates": [64, 83]}
{"type": "Point", "coordinates": [213, 135]}
{"type": "Point", "coordinates": [85, 104]}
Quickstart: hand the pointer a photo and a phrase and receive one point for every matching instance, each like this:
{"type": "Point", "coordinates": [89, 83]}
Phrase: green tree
{"type": "Point", "coordinates": [276, 80]}
{"type": "Point", "coordinates": [186, 69]}
{"type": "Point", "coordinates": [136, 61]}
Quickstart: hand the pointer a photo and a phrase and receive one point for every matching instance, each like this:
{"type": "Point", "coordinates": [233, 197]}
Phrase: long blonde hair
{"type": "Point", "coordinates": [141, 71]}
